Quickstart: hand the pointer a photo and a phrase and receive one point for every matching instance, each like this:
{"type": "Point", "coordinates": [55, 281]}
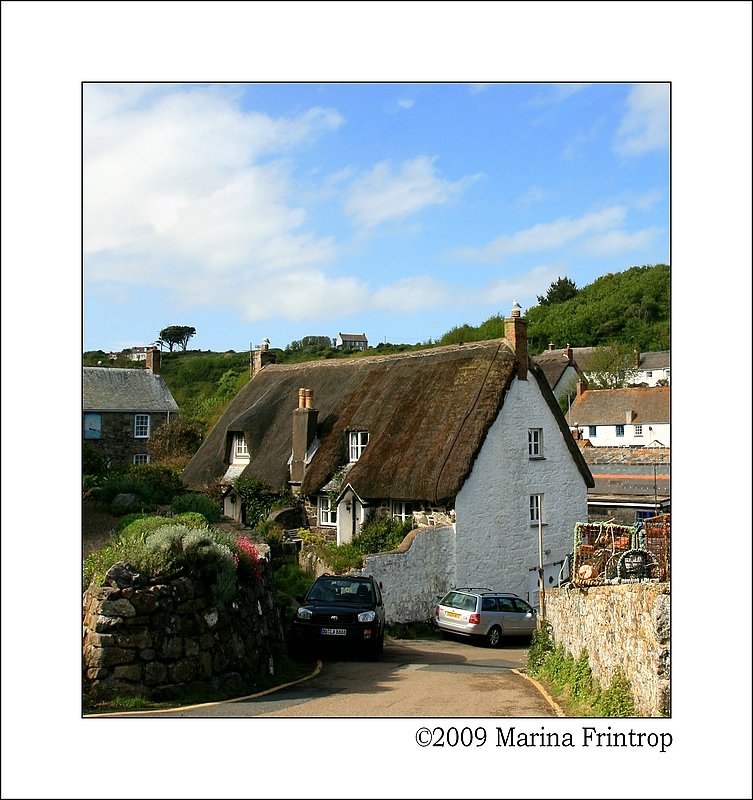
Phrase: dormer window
{"type": "Point", "coordinates": [357, 441]}
{"type": "Point", "coordinates": [240, 448]}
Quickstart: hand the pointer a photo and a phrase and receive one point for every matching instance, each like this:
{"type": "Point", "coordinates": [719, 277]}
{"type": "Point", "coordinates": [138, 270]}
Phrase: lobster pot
{"type": "Point", "coordinates": [657, 542]}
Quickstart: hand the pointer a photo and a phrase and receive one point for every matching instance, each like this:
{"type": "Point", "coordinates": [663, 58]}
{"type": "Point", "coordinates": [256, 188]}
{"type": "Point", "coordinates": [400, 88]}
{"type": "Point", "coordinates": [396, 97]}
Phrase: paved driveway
{"type": "Point", "coordinates": [414, 678]}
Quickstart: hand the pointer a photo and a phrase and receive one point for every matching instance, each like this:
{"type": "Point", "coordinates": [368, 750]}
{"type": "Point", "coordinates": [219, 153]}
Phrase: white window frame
{"type": "Point", "coordinates": [139, 426]}
{"type": "Point", "coordinates": [401, 509]}
{"type": "Point", "coordinates": [357, 441]}
{"type": "Point", "coordinates": [141, 458]}
{"type": "Point", "coordinates": [240, 448]}
{"type": "Point", "coordinates": [638, 430]}
{"type": "Point", "coordinates": [592, 431]}
{"type": "Point", "coordinates": [536, 504]}
{"type": "Point", "coordinates": [535, 443]}
{"type": "Point", "coordinates": [619, 430]}
{"type": "Point", "coordinates": [326, 511]}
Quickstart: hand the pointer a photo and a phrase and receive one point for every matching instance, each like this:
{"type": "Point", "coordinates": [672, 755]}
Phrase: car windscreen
{"type": "Point", "coordinates": [342, 591]}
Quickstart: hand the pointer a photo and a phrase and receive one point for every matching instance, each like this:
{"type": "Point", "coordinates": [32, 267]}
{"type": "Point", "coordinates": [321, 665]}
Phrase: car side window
{"type": "Point", "coordinates": [488, 603]}
{"type": "Point", "coordinates": [521, 605]}
{"type": "Point", "coordinates": [505, 604]}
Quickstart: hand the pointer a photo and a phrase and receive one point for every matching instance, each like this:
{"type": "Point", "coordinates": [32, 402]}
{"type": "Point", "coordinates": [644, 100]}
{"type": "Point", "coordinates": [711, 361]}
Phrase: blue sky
{"type": "Point", "coordinates": [399, 210]}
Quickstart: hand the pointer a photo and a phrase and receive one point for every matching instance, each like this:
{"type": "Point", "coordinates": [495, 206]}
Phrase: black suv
{"type": "Point", "coordinates": [339, 610]}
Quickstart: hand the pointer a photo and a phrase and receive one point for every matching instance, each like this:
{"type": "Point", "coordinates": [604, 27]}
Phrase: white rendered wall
{"type": "Point", "coordinates": [606, 435]}
{"type": "Point", "coordinates": [416, 576]}
{"type": "Point", "coordinates": [496, 545]}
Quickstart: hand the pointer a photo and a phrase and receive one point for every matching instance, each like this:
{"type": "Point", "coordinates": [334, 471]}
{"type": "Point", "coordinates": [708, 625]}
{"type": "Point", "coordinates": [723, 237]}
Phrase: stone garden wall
{"type": "Point", "coordinates": [625, 626]}
{"type": "Point", "coordinates": [158, 639]}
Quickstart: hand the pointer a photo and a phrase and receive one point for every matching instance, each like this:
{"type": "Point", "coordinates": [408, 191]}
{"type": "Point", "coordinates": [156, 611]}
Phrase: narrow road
{"type": "Point", "coordinates": [414, 678]}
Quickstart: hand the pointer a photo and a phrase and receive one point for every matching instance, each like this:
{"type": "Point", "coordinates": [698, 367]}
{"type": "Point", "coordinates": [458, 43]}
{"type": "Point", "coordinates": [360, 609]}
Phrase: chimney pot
{"type": "Point", "coordinates": [516, 334]}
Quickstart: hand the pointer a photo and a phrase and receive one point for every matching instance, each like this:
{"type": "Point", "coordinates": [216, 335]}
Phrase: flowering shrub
{"type": "Point", "coordinates": [164, 547]}
{"type": "Point", "coordinates": [247, 557]}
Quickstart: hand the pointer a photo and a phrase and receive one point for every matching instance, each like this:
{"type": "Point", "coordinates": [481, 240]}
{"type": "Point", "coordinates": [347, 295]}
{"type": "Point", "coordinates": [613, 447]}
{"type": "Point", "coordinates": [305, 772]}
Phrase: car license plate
{"type": "Point", "coordinates": [452, 614]}
{"type": "Point", "coordinates": [334, 631]}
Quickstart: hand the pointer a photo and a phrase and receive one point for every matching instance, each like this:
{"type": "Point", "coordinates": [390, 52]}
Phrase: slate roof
{"type": "Point", "coordinates": [553, 364]}
{"type": "Point", "coordinates": [656, 359]}
{"type": "Point", "coordinates": [111, 389]}
{"type": "Point", "coordinates": [608, 406]}
{"type": "Point", "coordinates": [427, 413]}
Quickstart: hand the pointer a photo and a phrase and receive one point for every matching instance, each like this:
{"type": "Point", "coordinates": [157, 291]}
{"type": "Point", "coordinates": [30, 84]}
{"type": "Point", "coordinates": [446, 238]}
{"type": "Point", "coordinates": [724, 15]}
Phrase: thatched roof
{"type": "Point", "coordinates": [427, 413]}
{"type": "Point", "coordinates": [138, 390]}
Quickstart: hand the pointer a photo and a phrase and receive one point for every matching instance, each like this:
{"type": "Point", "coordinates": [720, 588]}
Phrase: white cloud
{"type": "Point", "coordinates": [616, 242]}
{"type": "Point", "coordinates": [176, 193]}
{"type": "Point", "coordinates": [385, 195]}
{"type": "Point", "coordinates": [502, 291]}
{"type": "Point", "coordinates": [545, 235]}
{"type": "Point", "coordinates": [413, 294]}
{"type": "Point", "coordinates": [532, 196]}
{"type": "Point", "coordinates": [405, 103]}
{"type": "Point", "coordinates": [645, 126]}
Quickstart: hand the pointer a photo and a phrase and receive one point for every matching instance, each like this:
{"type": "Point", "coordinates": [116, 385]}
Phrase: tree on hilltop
{"type": "Point", "coordinates": [176, 335]}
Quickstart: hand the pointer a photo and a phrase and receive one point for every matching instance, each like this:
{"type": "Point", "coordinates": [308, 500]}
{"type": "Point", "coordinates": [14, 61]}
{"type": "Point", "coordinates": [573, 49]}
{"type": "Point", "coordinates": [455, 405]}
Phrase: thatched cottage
{"type": "Point", "coordinates": [465, 436]}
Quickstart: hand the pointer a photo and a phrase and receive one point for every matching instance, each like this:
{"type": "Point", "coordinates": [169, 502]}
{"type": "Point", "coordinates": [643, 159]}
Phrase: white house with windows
{"type": "Point", "coordinates": [635, 417]}
{"type": "Point", "coordinates": [466, 438]}
{"type": "Point", "coordinates": [122, 408]}
{"type": "Point", "coordinates": [351, 341]}
{"type": "Point", "coordinates": [651, 369]}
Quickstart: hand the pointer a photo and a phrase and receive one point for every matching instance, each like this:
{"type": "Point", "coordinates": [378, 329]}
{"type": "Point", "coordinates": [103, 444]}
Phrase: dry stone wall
{"type": "Point", "coordinates": [626, 627]}
{"type": "Point", "coordinates": [158, 639]}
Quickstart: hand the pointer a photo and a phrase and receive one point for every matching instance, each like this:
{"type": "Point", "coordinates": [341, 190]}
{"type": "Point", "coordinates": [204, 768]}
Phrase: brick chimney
{"type": "Point", "coordinates": [517, 335]}
{"type": "Point", "coordinates": [152, 360]}
{"type": "Point", "coordinates": [304, 432]}
{"type": "Point", "coordinates": [579, 389]}
{"type": "Point", "coordinates": [261, 357]}
{"type": "Point", "coordinates": [568, 353]}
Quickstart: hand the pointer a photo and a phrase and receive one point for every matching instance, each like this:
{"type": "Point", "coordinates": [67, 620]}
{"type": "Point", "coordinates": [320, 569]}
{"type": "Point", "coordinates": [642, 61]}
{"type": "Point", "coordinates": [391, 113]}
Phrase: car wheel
{"type": "Point", "coordinates": [494, 636]}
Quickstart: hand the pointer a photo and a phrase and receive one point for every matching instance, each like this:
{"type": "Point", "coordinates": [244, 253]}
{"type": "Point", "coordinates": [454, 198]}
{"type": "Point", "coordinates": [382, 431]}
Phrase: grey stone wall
{"type": "Point", "coordinates": [625, 626]}
{"type": "Point", "coordinates": [117, 442]}
{"type": "Point", "coordinates": [157, 639]}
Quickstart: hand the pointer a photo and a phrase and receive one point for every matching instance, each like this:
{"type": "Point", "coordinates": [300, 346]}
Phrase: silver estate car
{"type": "Point", "coordinates": [484, 614]}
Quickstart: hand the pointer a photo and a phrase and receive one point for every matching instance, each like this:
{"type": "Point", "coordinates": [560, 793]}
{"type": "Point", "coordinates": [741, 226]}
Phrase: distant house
{"type": "Point", "coordinates": [638, 416]}
{"type": "Point", "coordinates": [467, 438]}
{"type": "Point", "coordinates": [138, 353]}
{"type": "Point", "coordinates": [351, 341]}
{"type": "Point", "coordinates": [121, 408]}
{"type": "Point", "coordinates": [561, 370]}
{"type": "Point", "coordinates": [651, 368]}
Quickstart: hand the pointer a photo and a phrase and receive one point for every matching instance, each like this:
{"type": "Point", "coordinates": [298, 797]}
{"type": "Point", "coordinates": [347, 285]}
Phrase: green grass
{"type": "Point", "coordinates": [412, 630]}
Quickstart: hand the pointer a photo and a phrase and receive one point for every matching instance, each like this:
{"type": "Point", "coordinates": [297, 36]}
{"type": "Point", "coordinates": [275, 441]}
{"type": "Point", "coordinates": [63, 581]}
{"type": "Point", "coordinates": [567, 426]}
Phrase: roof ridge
{"type": "Point", "coordinates": [377, 358]}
